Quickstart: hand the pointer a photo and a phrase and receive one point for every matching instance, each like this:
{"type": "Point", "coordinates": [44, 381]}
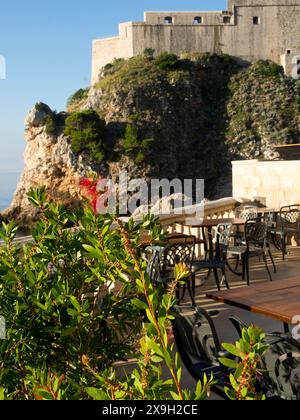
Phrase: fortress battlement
{"type": "Point", "coordinates": [249, 30]}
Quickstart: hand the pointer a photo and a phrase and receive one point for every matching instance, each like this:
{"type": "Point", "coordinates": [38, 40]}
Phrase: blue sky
{"type": "Point", "coordinates": [47, 47]}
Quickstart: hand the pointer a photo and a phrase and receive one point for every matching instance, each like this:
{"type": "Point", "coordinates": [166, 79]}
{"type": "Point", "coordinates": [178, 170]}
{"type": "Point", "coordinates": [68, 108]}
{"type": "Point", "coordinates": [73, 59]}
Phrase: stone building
{"type": "Point", "coordinates": [249, 30]}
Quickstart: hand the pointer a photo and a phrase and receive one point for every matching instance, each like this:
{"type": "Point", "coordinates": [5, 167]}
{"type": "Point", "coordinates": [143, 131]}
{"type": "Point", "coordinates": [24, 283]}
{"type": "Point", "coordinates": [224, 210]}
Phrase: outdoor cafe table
{"type": "Point", "coordinates": [279, 300]}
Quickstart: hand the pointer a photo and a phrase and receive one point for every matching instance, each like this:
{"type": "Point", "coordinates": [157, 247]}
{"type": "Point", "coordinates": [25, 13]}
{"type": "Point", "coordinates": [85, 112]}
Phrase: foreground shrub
{"type": "Point", "coordinates": [248, 352]}
{"type": "Point", "coordinates": [65, 296]}
{"type": "Point", "coordinates": [79, 298]}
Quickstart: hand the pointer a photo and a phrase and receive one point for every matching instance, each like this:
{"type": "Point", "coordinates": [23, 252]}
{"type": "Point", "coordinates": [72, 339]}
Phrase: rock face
{"type": "Point", "coordinates": [49, 162]}
{"type": "Point", "coordinates": [165, 119]}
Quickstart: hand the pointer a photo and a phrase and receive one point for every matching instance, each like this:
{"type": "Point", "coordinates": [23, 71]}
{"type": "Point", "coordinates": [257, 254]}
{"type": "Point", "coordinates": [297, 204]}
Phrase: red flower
{"type": "Point", "coordinates": [93, 190]}
{"type": "Point", "coordinates": [86, 182]}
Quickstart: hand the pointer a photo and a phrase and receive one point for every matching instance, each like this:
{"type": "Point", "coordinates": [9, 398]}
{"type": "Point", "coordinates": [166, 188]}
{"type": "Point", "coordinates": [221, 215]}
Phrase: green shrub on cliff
{"type": "Point", "coordinates": [77, 97]}
{"type": "Point", "coordinates": [86, 130]}
{"type": "Point", "coordinates": [268, 68]}
{"type": "Point", "coordinates": [133, 145]}
{"type": "Point", "coordinates": [166, 61]}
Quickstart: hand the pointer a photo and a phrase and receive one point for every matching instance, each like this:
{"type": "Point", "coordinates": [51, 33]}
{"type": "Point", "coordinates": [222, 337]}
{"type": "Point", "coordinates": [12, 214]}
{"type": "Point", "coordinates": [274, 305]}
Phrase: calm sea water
{"type": "Point", "coordinates": [8, 184]}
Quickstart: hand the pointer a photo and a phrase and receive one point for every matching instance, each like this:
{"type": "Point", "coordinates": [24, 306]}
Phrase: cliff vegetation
{"type": "Point", "coordinates": [165, 117]}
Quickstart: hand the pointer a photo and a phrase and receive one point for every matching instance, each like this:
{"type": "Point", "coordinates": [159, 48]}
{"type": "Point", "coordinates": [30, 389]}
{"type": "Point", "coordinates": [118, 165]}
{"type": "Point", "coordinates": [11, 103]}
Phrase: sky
{"type": "Point", "coordinates": [47, 49]}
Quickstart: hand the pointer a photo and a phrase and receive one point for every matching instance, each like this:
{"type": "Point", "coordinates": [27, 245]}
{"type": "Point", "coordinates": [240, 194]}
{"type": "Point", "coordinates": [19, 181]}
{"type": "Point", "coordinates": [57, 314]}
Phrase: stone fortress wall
{"type": "Point", "coordinates": [249, 30]}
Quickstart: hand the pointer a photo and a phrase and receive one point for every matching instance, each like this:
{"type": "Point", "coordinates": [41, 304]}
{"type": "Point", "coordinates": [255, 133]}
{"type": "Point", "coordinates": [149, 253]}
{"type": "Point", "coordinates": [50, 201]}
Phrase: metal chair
{"type": "Point", "coordinates": [162, 262]}
{"type": "Point", "coordinates": [280, 365]}
{"type": "Point", "coordinates": [199, 346]}
{"type": "Point", "coordinates": [245, 213]}
{"type": "Point", "coordinates": [218, 260]}
{"type": "Point", "coordinates": [256, 246]}
{"type": "Point", "coordinates": [288, 224]}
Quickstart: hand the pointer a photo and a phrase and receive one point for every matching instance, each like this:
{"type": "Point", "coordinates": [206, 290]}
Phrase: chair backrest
{"type": "Point", "coordinates": [256, 233]}
{"type": "Point", "coordinates": [162, 260]}
{"type": "Point", "coordinates": [196, 336]}
{"type": "Point", "coordinates": [180, 249]}
{"type": "Point", "coordinates": [223, 235]}
{"type": "Point", "coordinates": [246, 212]}
{"type": "Point", "coordinates": [290, 216]}
{"type": "Point", "coordinates": [281, 367]}
{"type": "Point", "coordinates": [155, 263]}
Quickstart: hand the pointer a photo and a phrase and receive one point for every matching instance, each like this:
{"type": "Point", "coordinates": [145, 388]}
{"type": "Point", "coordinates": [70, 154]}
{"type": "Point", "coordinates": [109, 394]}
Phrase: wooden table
{"type": "Point", "coordinates": [210, 223]}
{"type": "Point", "coordinates": [279, 300]}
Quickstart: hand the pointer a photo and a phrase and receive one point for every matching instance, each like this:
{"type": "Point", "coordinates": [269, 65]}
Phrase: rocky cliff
{"type": "Point", "coordinates": [49, 162]}
{"type": "Point", "coordinates": [161, 118]}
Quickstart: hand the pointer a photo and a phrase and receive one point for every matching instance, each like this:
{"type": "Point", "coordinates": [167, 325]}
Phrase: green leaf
{"type": "Point", "coordinates": [140, 304]}
{"type": "Point", "coordinates": [233, 382]}
{"type": "Point", "coordinates": [232, 349]}
{"type": "Point", "coordinates": [228, 363]}
{"type": "Point", "coordinates": [67, 332]}
{"type": "Point", "coordinates": [97, 394]}
{"type": "Point", "coordinates": [75, 303]}
{"type": "Point", "coordinates": [44, 394]}
{"type": "Point", "coordinates": [244, 392]}
{"type": "Point", "coordinates": [230, 394]}
{"type": "Point", "coordinates": [175, 396]}
{"type": "Point", "coordinates": [94, 252]}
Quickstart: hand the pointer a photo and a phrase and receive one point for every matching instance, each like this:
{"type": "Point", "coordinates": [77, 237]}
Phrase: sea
{"type": "Point", "coordinates": [8, 185]}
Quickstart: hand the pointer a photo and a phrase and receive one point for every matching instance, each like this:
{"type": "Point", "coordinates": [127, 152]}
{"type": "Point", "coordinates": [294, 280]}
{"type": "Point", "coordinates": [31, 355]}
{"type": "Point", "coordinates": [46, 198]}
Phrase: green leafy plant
{"type": "Point", "coordinates": [248, 350]}
{"type": "Point", "coordinates": [78, 96]}
{"type": "Point", "coordinates": [166, 61]}
{"type": "Point", "coordinates": [156, 348]}
{"type": "Point", "coordinates": [65, 295]}
{"type": "Point", "coordinates": [86, 130]}
{"type": "Point", "coordinates": [268, 68]}
{"type": "Point", "coordinates": [133, 145]}
{"type": "Point", "coordinates": [149, 53]}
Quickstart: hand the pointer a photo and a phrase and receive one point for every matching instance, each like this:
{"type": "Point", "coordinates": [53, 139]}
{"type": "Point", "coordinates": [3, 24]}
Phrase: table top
{"type": "Point", "coordinates": [208, 223]}
{"type": "Point", "coordinates": [264, 210]}
{"type": "Point", "coordinates": [279, 300]}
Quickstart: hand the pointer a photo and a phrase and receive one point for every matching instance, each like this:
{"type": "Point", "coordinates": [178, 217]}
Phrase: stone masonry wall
{"type": "Point", "coordinates": [275, 182]}
{"type": "Point", "coordinates": [277, 32]}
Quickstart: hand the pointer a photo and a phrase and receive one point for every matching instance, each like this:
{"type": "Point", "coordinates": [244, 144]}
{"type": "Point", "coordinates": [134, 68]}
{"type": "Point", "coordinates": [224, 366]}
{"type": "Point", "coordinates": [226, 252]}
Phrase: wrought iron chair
{"type": "Point", "coordinates": [280, 365]}
{"type": "Point", "coordinates": [256, 246]}
{"type": "Point", "coordinates": [162, 262]}
{"type": "Point", "coordinates": [288, 225]}
{"type": "Point", "coordinates": [245, 213]}
{"type": "Point", "coordinates": [218, 260]}
{"type": "Point", "coordinates": [199, 346]}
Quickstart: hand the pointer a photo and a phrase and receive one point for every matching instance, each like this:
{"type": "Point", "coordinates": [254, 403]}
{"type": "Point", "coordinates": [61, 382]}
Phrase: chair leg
{"type": "Point", "coordinates": [283, 247]}
{"type": "Point", "coordinates": [273, 262]}
{"type": "Point", "coordinates": [244, 267]}
{"type": "Point", "coordinates": [237, 262]}
{"type": "Point", "coordinates": [247, 272]}
{"type": "Point", "coordinates": [208, 274]}
{"type": "Point", "coordinates": [192, 296]}
{"type": "Point", "coordinates": [224, 279]}
{"type": "Point", "coordinates": [178, 294]}
{"type": "Point", "coordinates": [266, 264]}
{"type": "Point", "coordinates": [217, 279]}
{"type": "Point", "coordinates": [194, 283]}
